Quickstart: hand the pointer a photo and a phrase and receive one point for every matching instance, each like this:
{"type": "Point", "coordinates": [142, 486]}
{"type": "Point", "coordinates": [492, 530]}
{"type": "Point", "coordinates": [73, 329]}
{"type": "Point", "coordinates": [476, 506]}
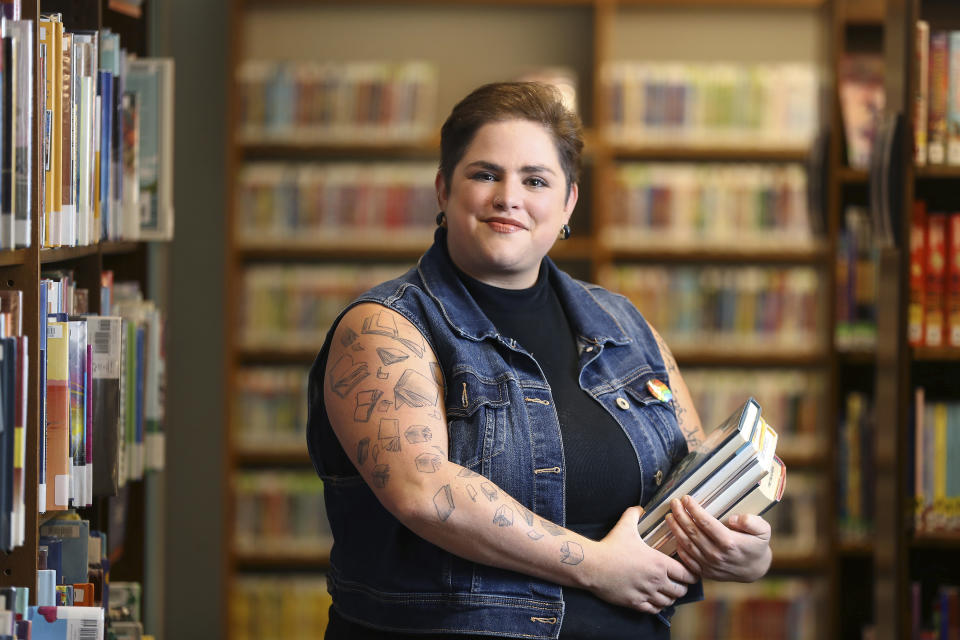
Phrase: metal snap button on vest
{"type": "Point", "coordinates": [623, 404]}
{"type": "Point", "coordinates": [658, 478]}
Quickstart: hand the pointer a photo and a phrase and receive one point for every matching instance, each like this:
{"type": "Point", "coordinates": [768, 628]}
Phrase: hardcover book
{"type": "Point", "coordinates": [718, 448]}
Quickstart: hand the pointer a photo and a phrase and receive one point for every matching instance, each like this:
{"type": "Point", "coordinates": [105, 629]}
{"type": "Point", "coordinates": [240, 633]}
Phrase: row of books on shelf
{"type": "Point", "coordinates": [75, 598]}
{"type": "Point", "coordinates": [855, 471]}
{"type": "Point", "coordinates": [794, 396]}
{"type": "Point", "coordinates": [292, 307]}
{"type": "Point", "coordinates": [856, 282]}
{"type": "Point", "coordinates": [711, 104]}
{"type": "Point", "coordinates": [106, 139]}
{"type": "Point", "coordinates": [941, 621]}
{"type": "Point", "coordinates": [307, 202]}
{"type": "Point", "coordinates": [280, 513]}
{"type": "Point", "coordinates": [270, 404]}
{"type": "Point", "coordinates": [933, 312]}
{"type": "Point", "coordinates": [937, 100]}
{"type": "Point", "coordinates": [311, 101]}
{"type": "Point", "coordinates": [279, 607]}
{"type": "Point", "coordinates": [101, 392]}
{"type": "Point", "coordinates": [772, 609]}
{"type": "Point", "coordinates": [936, 464]}
{"type": "Point", "coordinates": [684, 205]}
{"type": "Point", "coordinates": [270, 408]}
{"type": "Point", "coordinates": [934, 461]}
{"type": "Point", "coordinates": [723, 309]}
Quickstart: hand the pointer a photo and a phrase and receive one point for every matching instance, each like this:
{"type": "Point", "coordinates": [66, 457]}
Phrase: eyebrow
{"type": "Point", "coordinates": [529, 168]}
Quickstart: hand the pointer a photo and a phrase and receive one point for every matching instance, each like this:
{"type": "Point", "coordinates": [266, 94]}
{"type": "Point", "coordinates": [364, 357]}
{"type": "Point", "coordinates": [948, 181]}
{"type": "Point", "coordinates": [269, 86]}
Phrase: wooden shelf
{"type": "Point", "coordinates": [936, 354]}
{"type": "Point", "coordinates": [279, 457]}
{"type": "Point", "coordinates": [114, 248]}
{"type": "Point", "coordinates": [299, 561]}
{"type": "Point", "coordinates": [856, 548]}
{"type": "Point", "coordinates": [846, 175]}
{"type": "Point", "coordinates": [813, 563]}
{"type": "Point", "coordinates": [13, 257]}
{"type": "Point", "coordinates": [707, 154]}
{"type": "Point", "coordinates": [703, 358]}
{"type": "Point", "coordinates": [719, 255]}
{"type": "Point", "coordinates": [944, 540]}
{"type": "Point", "coordinates": [277, 356]}
{"type": "Point", "coordinates": [937, 172]}
{"type": "Point", "coordinates": [62, 254]}
{"type": "Point", "coordinates": [348, 247]}
{"type": "Point", "coordinates": [755, 4]}
{"type": "Point", "coordinates": [281, 149]}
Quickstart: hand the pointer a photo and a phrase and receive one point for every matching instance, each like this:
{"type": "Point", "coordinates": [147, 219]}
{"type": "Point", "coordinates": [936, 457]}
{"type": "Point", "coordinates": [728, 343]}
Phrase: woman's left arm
{"type": "Point", "coordinates": [736, 551]}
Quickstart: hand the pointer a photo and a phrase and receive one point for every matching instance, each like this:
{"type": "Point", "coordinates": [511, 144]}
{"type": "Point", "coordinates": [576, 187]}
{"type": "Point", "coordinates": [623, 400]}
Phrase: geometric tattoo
{"type": "Point", "coordinates": [443, 501]}
{"type": "Point", "coordinates": [381, 473]}
{"type": "Point", "coordinates": [571, 553]}
{"type": "Point", "coordinates": [504, 516]}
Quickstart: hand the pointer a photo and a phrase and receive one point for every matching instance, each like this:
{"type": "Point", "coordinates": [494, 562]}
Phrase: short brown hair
{"type": "Point", "coordinates": [496, 102]}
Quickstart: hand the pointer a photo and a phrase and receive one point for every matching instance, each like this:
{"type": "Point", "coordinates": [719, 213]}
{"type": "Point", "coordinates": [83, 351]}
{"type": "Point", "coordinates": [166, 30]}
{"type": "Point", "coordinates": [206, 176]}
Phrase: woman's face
{"type": "Point", "coordinates": [505, 203]}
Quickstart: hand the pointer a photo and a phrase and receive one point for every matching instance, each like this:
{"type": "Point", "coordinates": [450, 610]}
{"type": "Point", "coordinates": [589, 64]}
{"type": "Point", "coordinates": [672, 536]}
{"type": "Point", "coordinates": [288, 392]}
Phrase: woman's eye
{"type": "Point", "coordinates": [536, 182]}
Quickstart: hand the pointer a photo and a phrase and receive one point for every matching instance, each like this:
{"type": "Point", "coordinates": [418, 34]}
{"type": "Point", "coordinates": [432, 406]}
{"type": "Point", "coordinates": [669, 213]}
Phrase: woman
{"type": "Point", "coordinates": [485, 425]}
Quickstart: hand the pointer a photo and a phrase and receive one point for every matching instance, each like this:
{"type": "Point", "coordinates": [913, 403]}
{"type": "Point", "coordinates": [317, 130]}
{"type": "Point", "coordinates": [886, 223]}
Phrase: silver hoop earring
{"type": "Point", "coordinates": [564, 232]}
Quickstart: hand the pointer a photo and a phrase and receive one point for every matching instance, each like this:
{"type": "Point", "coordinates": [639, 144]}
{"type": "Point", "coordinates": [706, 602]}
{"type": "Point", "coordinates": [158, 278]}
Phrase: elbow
{"type": "Point", "coordinates": [412, 506]}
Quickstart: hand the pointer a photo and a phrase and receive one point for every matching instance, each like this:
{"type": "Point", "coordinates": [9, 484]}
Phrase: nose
{"type": "Point", "coordinates": [507, 196]}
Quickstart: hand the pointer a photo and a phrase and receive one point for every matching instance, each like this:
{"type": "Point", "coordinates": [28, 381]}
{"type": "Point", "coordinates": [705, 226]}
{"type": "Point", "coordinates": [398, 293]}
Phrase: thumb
{"type": "Point", "coordinates": [747, 523]}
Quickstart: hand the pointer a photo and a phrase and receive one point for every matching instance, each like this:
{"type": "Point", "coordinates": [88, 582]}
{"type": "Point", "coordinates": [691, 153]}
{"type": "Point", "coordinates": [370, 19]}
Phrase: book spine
{"type": "Point", "coordinates": [953, 281]}
{"type": "Point", "coordinates": [935, 280]}
{"type": "Point", "coordinates": [916, 303]}
{"type": "Point", "coordinates": [922, 100]}
{"type": "Point", "coordinates": [953, 99]}
{"type": "Point", "coordinates": [939, 86]}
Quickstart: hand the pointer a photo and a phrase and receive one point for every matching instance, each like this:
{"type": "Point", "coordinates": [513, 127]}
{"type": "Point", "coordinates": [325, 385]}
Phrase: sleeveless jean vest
{"type": "Point", "coordinates": [502, 424]}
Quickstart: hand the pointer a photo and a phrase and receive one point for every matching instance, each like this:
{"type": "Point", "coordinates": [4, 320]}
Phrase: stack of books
{"type": "Point", "coordinates": [734, 471]}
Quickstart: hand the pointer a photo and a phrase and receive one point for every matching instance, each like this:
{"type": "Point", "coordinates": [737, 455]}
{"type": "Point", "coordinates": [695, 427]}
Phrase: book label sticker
{"type": "Point", "coordinates": [659, 390]}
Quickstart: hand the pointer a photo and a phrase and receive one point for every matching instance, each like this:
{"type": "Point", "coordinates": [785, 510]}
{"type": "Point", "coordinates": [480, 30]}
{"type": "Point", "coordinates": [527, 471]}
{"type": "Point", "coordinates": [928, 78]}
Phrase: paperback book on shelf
{"type": "Point", "coordinates": [728, 466]}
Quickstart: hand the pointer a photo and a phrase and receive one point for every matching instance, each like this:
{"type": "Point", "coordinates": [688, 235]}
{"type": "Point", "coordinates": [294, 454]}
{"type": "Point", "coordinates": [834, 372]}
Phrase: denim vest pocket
{"type": "Point", "coordinates": [477, 412]}
{"type": "Point", "coordinates": [663, 419]}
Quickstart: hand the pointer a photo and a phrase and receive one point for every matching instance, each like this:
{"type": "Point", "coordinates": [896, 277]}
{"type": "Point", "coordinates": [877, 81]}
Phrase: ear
{"type": "Point", "coordinates": [571, 201]}
{"type": "Point", "coordinates": [442, 191]}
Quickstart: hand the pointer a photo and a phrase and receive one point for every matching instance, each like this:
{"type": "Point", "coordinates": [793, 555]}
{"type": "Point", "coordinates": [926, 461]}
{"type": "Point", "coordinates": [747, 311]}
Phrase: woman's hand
{"type": "Point", "coordinates": [629, 573]}
{"type": "Point", "coordinates": [738, 551]}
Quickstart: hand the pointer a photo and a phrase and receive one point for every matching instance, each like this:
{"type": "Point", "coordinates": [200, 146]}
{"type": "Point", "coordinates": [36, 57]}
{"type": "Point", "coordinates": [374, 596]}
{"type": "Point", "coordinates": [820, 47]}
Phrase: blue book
{"type": "Point", "coordinates": [74, 536]}
{"type": "Point", "coordinates": [105, 91]}
{"type": "Point", "coordinates": [62, 623]}
{"type": "Point", "coordinates": [42, 440]}
{"type": "Point", "coordinates": [720, 446]}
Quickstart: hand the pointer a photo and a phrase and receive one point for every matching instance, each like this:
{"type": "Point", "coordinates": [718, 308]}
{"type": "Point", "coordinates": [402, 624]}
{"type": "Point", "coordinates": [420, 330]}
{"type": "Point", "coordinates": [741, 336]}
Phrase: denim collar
{"type": "Point", "coordinates": [590, 320]}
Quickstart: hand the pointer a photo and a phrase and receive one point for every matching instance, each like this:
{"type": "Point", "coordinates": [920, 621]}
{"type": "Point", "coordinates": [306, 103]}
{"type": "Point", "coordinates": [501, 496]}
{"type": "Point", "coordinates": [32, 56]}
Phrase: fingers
{"type": "Point", "coordinates": [704, 522]}
{"type": "Point", "coordinates": [680, 574]}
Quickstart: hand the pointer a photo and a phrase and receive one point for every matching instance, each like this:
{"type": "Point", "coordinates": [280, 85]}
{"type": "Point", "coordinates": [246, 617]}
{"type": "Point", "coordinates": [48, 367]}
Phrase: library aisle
{"type": "Point", "coordinates": [772, 182]}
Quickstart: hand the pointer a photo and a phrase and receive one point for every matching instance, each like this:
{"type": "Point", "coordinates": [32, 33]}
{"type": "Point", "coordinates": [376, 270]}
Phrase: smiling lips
{"type": "Point", "coordinates": [504, 225]}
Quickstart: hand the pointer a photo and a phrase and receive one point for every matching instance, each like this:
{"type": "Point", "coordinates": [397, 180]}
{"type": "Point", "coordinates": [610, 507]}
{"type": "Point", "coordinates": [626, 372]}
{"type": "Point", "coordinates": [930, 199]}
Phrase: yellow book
{"type": "Point", "coordinates": [47, 45]}
{"type": "Point", "coordinates": [939, 463]}
{"type": "Point", "coordinates": [58, 417]}
{"type": "Point", "coordinates": [55, 68]}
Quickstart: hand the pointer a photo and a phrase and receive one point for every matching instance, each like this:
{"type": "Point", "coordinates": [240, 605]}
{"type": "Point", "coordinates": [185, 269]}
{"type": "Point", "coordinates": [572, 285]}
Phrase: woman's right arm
{"type": "Point", "coordinates": [383, 391]}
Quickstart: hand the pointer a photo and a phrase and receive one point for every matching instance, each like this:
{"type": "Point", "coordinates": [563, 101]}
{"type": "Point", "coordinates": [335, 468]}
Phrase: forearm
{"type": "Point", "coordinates": [468, 515]}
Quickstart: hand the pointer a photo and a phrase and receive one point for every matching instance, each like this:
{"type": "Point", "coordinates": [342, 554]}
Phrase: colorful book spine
{"type": "Point", "coordinates": [57, 417]}
{"type": "Point", "coordinates": [939, 89]}
{"type": "Point", "coordinates": [953, 99]}
{"type": "Point", "coordinates": [936, 269]}
{"type": "Point", "coordinates": [916, 306]}
{"type": "Point", "coordinates": [922, 98]}
{"type": "Point", "coordinates": [953, 281]}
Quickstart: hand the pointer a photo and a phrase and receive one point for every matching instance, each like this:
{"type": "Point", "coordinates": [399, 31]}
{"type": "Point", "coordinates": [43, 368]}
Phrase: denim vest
{"type": "Point", "coordinates": [503, 425]}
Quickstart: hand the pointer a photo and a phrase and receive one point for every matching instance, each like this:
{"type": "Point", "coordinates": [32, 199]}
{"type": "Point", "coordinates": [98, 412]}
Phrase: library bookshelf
{"type": "Point", "coordinates": [21, 270]}
{"type": "Point", "coordinates": [584, 36]}
{"type": "Point", "coordinates": [910, 565]}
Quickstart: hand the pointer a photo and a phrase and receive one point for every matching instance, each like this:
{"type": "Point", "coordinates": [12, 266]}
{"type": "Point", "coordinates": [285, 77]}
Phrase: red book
{"type": "Point", "coordinates": [915, 306]}
{"type": "Point", "coordinates": [934, 298]}
{"type": "Point", "coordinates": [953, 281]}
